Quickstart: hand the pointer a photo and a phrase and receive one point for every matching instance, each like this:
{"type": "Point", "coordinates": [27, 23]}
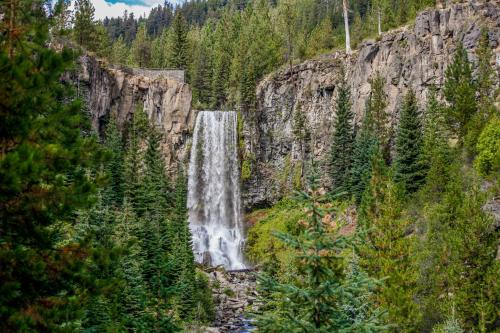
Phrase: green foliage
{"type": "Point", "coordinates": [460, 93]}
{"type": "Point", "coordinates": [261, 246]}
{"type": "Point", "coordinates": [179, 52]}
{"type": "Point", "coordinates": [141, 48]}
{"type": "Point", "coordinates": [119, 52]}
{"type": "Point", "coordinates": [113, 194]}
{"type": "Point", "coordinates": [377, 115]}
{"type": "Point", "coordinates": [364, 148]}
{"type": "Point", "coordinates": [485, 91]}
{"type": "Point", "coordinates": [458, 258]}
{"type": "Point", "coordinates": [488, 148]}
{"type": "Point", "coordinates": [45, 177]}
{"type": "Point", "coordinates": [324, 295]}
{"type": "Point", "coordinates": [409, 167]}
{"type": "Point", "coordinates": [343, 140]}
{"type": "Point", "coordinates": [84, 24]}
{"type": "Point", "coordinates": [387, 250]}
{"type": "Point", "coordinates": [246, 170]}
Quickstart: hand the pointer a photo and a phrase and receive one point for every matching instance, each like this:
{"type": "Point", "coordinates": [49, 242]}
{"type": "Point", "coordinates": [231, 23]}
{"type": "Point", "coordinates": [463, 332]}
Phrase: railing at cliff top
{"type": "Point", "coordinates": [154, 73]}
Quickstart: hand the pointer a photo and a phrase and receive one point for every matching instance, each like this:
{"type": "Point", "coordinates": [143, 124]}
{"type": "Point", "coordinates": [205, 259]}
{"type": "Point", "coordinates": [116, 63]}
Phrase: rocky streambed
{"type": "Point", "coordinates": [234, 294]}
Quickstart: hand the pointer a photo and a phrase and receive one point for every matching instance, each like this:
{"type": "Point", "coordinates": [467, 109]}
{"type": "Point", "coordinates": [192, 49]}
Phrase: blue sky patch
{"type": "Point", "coordinates": [129, 2]}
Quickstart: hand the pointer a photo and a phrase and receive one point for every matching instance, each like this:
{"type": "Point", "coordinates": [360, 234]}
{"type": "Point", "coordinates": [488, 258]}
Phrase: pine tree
{"type": "Point", "coordinates": [44, 161]}
{"type": "Point", "coordinates": [179, 52]}
{"type": "Point", "coordinates": [484, 85]}
{"type": "Point", "coordinates": [436, 151]}
{"type": "Point", "coordinates": [133, 303]}
{"type": "Point", "coordinates": [141, 48]}
{"type": "Point", "coordinates": [119, 52]}
{"type": "Point", "coordinates": [343, 140]}
{"type": "Point", "coordinates": [379, 117]}
{"type": "Point", "coordinates": [202, 71]}
{"type": "Point", "coordinates": [84, 25]}
{"type": "Point", "coordinates": [133, 186]}
{"type": "Point", "coordinates": [484, 74]}
{"type": "Point", "coordinates": [387, 250]}
{"type": "Point", "coordinates": [458, 262]}
{"type": "Point", "coordinates": [113, 194]}
{"type": "Point", "coordinates": [324, 296]}
{"type": "Point", "coordinates": [365, 146]}
{"type": "Point", "coordinates": [460, 93]}
{"type": "Point", "coordinates": [62, 18]}
{"type": "Point", "coordinates": [409, 167]}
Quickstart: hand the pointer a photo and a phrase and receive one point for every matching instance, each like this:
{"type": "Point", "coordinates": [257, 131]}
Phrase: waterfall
{"type": "Point", "coordinates": [214, 191]}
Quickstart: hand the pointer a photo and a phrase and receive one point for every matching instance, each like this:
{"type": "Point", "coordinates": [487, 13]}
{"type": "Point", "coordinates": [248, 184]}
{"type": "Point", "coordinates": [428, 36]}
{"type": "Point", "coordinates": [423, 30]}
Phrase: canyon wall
{"type": "Point", "coordinates": [117, 93]}
{"type": "Point", "coordinates": [296, 106]}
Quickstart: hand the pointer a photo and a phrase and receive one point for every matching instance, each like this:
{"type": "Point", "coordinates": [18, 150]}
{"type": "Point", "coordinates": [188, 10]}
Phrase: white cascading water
{"type": "Point", "coordinates": [214, 191]}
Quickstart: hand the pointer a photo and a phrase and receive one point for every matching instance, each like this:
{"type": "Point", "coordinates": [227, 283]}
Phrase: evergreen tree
{"type": "Point", "coordinates": [409, 167]}
{"type": "Point", "coordinates": [379, 117]}
{"type": "Point", "coordinates": [133, 187]}
{"type": "Point", "coordinates": [365, 146]}
{"type": "Point", "coordinates": [484, 74]}
{"type": "Point", "coordinates": [61, 18]}
{"type": "Point", "coordinates": [202, 71]}
{"type": "Point", "coordinates": [460, 93]}
{"type": "Point", "coordinates": [119, 52]}
{"type": "Point", "coordinates": [458, 265]}
{"type": "Point", "coordinates": [133, 303]}
{"type": "Point", "coordinates": [44, 161]}
{"type": "Point", "coordinates": [141, 48]}
{"type": "Point", "coordinates": [436, 151]}
{"type": "Point", "coordinates": [113, 194]}
{"type": "Point", "coordinates": [387, 250]}
{"type": "Point", "coordinates": [324, 296]}
{"type": "Point", "coordinates": [179, 52]}
{"type": "Point", "coordinates": [485, 86]}
{"type": "Point", "coordinates": [84, 25]}
{"type": "Point", "coordinates": [343, 140]}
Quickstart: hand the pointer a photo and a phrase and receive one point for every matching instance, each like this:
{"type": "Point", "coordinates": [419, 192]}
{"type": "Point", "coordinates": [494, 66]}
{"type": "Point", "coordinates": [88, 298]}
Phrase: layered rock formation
{"type": "Point", "coordinates": [410, 57]}
{"type": "Point", "coordinates": [118, 93]}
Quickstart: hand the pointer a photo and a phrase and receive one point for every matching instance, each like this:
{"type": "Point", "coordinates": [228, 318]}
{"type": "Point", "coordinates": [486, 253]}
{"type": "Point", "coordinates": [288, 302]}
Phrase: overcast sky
{"type": "Point", "coordinates": [114, 8]}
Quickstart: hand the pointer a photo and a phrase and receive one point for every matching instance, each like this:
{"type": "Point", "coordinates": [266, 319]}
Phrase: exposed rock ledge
{"type": "Point", "coordinates": [165, 98]}
{"type": "Point", "coordinates": [414, 57]}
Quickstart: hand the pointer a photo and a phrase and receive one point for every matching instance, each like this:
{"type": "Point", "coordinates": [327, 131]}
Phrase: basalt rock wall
{"type": "Point", "coordinates": [414, 57]}
{"type": "Point", "coordinates": [114, 93]}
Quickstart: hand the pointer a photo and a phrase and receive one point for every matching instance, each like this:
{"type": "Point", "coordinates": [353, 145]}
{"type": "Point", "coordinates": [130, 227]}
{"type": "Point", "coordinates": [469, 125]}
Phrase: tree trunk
{"type": "Point", "coordinates": [346, 26]}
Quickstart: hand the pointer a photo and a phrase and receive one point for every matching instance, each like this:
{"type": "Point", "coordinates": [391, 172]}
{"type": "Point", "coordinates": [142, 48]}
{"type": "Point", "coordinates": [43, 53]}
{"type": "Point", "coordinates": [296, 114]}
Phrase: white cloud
{"type": "Point", "coordinates": [103, 8]}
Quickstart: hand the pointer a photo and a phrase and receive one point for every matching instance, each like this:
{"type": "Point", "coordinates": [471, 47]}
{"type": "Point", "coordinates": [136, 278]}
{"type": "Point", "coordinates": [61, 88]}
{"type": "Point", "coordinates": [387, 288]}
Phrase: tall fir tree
{"type": "Point", "coordinates": [134, 157]}
{"type": "Point", "coordinates": [141, 48]}
{"type": "Point", "coordinates": [484, 85]}
{"type": "Point", "coordinates": [458, 265]}
{"type": "Point", "coordinates": [409, 166]}
{"type": "Point", "coordinates": [113, 194]}
{"type": "Point", "coordinates": [179, 52]}
{"type": "Point", "coordinates": [436, 151]}
{"type": "Point", "coordinates": [365, 146]}
{"type": "Point", "coordinates": [343, 140]}
{"type": "Point", "coordinates": [84, 24]}
{"type": "Point", "coordinates": [460, 93]}
{"type": "Point", "coordinates": [386, 253]}
{"type": "Point", "coordinates": [379, 117]}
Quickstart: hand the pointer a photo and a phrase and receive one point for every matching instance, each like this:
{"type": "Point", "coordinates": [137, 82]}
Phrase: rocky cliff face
{"type": "Point", "coordinates": [411, 57]}
{"type": "Point", "coordinates": [165, 98]}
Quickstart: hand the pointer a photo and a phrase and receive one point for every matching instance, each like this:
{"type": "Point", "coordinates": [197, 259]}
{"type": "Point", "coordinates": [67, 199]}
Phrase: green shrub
{"type": "Point", "coordinates": [488, 148]}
